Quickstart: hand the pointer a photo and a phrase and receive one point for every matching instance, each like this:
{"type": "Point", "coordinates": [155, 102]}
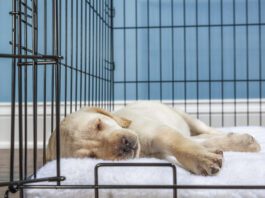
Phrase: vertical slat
{"type": "Point", "coordinates": [247, 61]}
{"type": "Point", "coordinates": [93, 53]}
{"type": "Point", "coordinates": [209, 63]}
{"type": "Point", "coordinates": [59, 26]}
{"type": "Point", "coordinates": [53, 76]}
{"type": "Point", "coordinates": [107, 63]}
{"type": "Point", "coordinates": [76, 55]}
{"type": "Point", "coordinates": [72, 55]}
{"type": "Point", "coordinates": [91, 59]}
{"type": "Point", "coordinates": [234, 62]}
{"type": "Point", "coordinates": [108, 53]}
{"type": "Point", "coordinates": [60, 35]}
{"type": "Point", "coordinates": [197, 59]}
{"type": "Point", "coordinates": [148, 49]}
{"type": "Point", "coordinates": [109, 29]}
{"type": "Point", "coordinates": [260, 68]}
{"type": "Point", "coordinates": [112, 52]}
{"type": "Point", "coordinates": [25, 92]}
{"type": "Point", "coordinates": [20, 96]}
{"type": "Point", "coordinates": [125, 53]}
{"type": "Point", "coordinates": [185, 56]}
{"type": "Point", "coordinates": [108, 12]}
{"type": "Point", "coordinates": [99, 54]}
{"type": "Point", "coordinates": [45, 81]}
{"type": "Point", "coordinates": [57, 85]}
{"type": "Point", "coordinates": [160, 51]}
{"type": "Point", "coordinates": [136, 49]}
{"type": "Point", "coordinates": [13, 91]}
{"type": "Point", "coordinates": [96, 54]}
{"type": "Point", "coordinates": [222, 64]}
{"type": "Point", "coordinates": [52, 89]}
{"type": "Point", "coordinates": [104, 65]}
{"type": "Point", "coordinates": [89, 54]}
{"type": "Point", "coordinates": [81, 54]}
{"type": "Point", "coordinates": [35, 83]}
{"type": "Point", "coordinates": [102, 54]}
{"type": "Point", "coordinates": [66, 57]}
{"type": "Point", "coordinates": [172, 54]}
{"type": "Point", "coordinates": [86, 56]}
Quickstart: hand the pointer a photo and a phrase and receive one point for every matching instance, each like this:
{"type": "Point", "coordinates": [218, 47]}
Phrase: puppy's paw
{"type": "Point", "coordinates": [204, 162]}
{"type": "Point", "coordinates": [243, 142]}
{"type": "Point", "coordinates": [209, 162]}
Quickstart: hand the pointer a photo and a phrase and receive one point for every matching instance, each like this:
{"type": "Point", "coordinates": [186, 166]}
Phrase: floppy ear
{"type": "Point", "coordinates": [123, 122]}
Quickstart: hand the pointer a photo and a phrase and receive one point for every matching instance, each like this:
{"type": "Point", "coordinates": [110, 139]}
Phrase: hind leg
{"type": "Point", "coordinates": [196, 126]}
{"type": "Point", "coordinates": [214, 139]}
{"type": "Point", "coordinates": [230, 142]}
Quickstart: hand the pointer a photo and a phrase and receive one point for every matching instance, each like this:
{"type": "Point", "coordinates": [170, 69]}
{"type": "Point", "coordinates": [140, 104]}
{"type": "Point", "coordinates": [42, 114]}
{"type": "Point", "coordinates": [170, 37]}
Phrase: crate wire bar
{"type": "Point", "coordinates": [69, 46]}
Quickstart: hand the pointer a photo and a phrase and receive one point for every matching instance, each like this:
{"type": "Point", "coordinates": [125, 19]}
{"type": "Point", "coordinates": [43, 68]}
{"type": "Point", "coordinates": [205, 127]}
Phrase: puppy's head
{"type": "Point", "coordinates": [96, 133]}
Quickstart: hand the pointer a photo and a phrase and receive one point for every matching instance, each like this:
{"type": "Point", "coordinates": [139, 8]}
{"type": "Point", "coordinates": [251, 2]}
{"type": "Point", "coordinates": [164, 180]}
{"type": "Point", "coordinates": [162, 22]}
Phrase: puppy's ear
{"type": "Point", "coordinates": [123, 122]}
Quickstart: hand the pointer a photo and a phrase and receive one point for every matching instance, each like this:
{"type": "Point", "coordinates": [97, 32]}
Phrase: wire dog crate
{"type": "Point", "coordinates": [159, 50]}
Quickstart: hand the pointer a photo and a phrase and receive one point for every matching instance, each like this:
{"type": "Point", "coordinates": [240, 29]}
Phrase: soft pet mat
{"type": "Point", "coordinates": [238, 169]}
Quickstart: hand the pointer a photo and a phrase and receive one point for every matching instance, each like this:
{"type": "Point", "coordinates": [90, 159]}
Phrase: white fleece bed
{"type": "Point", "coordinates": [238, 169]}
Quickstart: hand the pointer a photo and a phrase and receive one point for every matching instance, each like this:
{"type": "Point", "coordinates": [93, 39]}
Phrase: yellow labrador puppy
{"type": "Point", "coordinates": [148, 129]}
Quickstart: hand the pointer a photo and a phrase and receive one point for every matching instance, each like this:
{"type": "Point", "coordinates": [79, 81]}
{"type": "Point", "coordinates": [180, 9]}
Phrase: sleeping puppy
{"type": "Point", "coordinates": [147, 129]}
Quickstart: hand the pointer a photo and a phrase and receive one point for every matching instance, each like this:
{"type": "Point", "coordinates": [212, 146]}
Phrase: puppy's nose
{"type": "Point", "coordinates": [128, 144]}
{"type": "Point", "coordinates": [126, 141]}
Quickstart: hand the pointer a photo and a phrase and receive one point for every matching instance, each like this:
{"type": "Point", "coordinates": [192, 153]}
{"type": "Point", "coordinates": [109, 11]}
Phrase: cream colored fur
{"type": "Point", "coordinates": [153, 130]}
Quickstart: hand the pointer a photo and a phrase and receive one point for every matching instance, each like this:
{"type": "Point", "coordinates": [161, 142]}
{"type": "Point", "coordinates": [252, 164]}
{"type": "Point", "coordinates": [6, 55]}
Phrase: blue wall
{"type": "Point", "coordinates": [128, 67]}
{"type": "Point", "coordinates": [126, 63]}
{"type": "Point", "coordinates": [5, 37]}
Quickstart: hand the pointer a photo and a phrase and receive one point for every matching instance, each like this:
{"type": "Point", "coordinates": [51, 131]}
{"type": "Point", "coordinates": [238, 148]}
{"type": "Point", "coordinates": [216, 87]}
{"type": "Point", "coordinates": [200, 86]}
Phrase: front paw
{"type": "Point", "coordinates": [206, 162]}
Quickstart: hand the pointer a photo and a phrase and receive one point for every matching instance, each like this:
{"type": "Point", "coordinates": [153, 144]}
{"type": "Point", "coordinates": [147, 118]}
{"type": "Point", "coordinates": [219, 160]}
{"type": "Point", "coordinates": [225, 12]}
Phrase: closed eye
{"type": "Point", "coordinates": [99, 125]}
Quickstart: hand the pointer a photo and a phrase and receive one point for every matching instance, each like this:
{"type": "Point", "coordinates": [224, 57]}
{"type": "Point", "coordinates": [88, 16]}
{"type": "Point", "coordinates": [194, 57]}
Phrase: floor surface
{"type": "Point", "coordinates": [5, 164]}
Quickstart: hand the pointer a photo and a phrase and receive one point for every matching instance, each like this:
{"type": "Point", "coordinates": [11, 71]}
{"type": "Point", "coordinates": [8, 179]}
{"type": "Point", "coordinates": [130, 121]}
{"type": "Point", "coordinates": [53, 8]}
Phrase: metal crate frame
{"type": "Point", "coordinates": [99, 82]}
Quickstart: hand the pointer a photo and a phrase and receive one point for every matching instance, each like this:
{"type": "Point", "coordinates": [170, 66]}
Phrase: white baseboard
{"type": "Point", "coordinates": [6, 145]}
{"type": "Point", "coordinates": [213, 106]}
{"type": "Point", "coordinates": [226, 111]}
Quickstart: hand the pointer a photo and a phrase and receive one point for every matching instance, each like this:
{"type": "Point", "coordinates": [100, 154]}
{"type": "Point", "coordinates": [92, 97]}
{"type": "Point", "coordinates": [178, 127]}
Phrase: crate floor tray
{"type": "Point", "coordinates": [238, 169]}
